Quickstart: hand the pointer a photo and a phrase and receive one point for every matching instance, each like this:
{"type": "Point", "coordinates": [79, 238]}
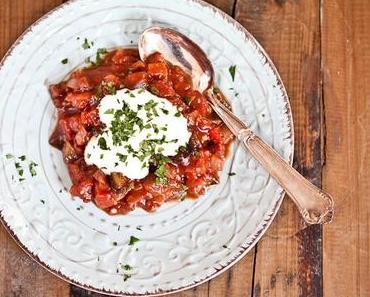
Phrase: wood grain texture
{"type": "Point", "coordinates": [227, 6]}
{"type": "Point", "coordinates": [20, 276]}
{"type": "Point", "coordinates": [288, 259]}
{"type": "Point", "coordinates": [346, 69]}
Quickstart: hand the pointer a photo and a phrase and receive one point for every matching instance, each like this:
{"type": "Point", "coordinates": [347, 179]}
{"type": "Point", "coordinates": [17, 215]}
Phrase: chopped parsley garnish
{"type": "Point", "coordinates": [126, 267]}
{"type": "Point", "coordinates": [99, 53]}
{"type": "Point", "coordinates": [142, 90]}
{"type": "Point", "coordinates": [160, 174]}
{"type": "Point", "coordinates": [126, 271]}
{"type": "Point", "coordinates": [133, 240]}
{"type": "Point", "coordinates": [224, 246]}
{"type": "Point", "coordinates": [19, 168]}
{"type": "Point", "coordinates": [182, 196]}
{"type": "Point", "coordinates": [155, 128]}
{"type": "Point", "coordinates": [109, 111]}
{"type": "Point", "coordinates": [183, 193]}
{"type": "Point", "coordinates": [114, 243]}
{"type": "Point", "coordinates": [122, 157]}
{"type": "Point", "coordinates": [106, 87]}
{"type": "Point", "coordinates": [31, 168]}
{"type": "Point", "coordinates": [216, 90]}
{"type": "Point", "coordinates": [88, 156]}
{"type": "Point", "coordinates": [139, 228]}
{"type": "Point", "coordinates": [129, 148]}
{"type": "Point", "coordinates": [124, 123]}
{"type": "Point", "coordinates": [126, 277]}
{"type": "Point", "coordinates": [165, 111]}
{"type": "Point", "coordinates": [42, 201]}
{"type": "Point", "coordinates": [232, 70]}
{"type": "Point", "coordinates": [150, 108]}
{"type": "Point", "coordinates": [86, 45]}
{"type": "Point", "coordinates": [103, 144]}
{"type": "Point", "coordinates": [154, 90]}
{"type": "Point", "coordinates": [187, 100]}
{"type": "Point", "coordinates": [64, 61]}
{"type": "Point", "coordinates": [99, 58]}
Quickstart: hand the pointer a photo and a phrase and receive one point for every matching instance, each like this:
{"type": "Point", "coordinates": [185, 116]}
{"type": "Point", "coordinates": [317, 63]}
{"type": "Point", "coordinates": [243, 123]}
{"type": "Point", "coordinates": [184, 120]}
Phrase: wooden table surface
{"type": "Point", "coordinates": [322, 51]}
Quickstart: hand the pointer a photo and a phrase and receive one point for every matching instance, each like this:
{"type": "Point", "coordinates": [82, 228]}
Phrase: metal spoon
{"type": "Point", "coordinates": [315, 206]}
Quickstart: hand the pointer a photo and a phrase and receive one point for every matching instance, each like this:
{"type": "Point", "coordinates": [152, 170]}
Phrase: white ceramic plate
{"type": "Point", "coordinates": [182, 244]}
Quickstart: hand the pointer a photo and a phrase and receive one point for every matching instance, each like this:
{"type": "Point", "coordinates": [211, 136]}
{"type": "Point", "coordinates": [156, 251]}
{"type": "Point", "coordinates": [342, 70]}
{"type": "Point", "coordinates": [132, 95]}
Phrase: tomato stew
{"type": "Point", "coordinates": [189, 172]}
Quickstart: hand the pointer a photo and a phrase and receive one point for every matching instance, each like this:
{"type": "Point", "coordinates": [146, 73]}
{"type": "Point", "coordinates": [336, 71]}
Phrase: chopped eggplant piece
{"type": "Point", "coordinates": [56, 139]}
{"type": "Point", "coordinates": [69, 153]}
{"type": "Point", "coordinates": [119, 181]}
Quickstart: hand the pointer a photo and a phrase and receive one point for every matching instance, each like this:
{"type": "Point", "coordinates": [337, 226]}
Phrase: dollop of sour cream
{"type": "Point", "coordinates": [138, 125]}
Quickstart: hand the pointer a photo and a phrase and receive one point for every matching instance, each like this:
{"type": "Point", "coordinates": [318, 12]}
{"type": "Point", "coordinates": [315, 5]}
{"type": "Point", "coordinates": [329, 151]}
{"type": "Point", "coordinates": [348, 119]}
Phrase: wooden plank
{"type": "Point", "coordinates": [227, 6]}
{"type": "Point", "coordinates": [19, 274]}
{"type": "Point", "coordinates": [288, 260]}
{"type": "Point", "coordinates": [346, 68]}
{"type": "Point", "coordinates": [236, 281]}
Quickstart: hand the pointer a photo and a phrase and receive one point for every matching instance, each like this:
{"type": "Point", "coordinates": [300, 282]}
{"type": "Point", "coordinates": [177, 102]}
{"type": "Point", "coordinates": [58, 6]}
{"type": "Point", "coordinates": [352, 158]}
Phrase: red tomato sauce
{"type": "Point", "coordinates": [189, 172]}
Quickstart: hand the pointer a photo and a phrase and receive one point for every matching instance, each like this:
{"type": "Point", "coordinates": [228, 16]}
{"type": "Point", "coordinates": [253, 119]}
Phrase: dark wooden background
{"type": "Point", "coordinates": [322, 51]}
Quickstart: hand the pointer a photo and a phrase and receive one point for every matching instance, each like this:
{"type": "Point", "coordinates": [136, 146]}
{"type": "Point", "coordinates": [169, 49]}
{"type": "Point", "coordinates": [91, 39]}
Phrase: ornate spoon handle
{"type": "Point", "coordinates": [315, 206]}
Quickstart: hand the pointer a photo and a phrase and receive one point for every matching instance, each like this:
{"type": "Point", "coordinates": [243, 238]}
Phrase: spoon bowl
{"type": "Point", "coordinates": [179, 50]}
